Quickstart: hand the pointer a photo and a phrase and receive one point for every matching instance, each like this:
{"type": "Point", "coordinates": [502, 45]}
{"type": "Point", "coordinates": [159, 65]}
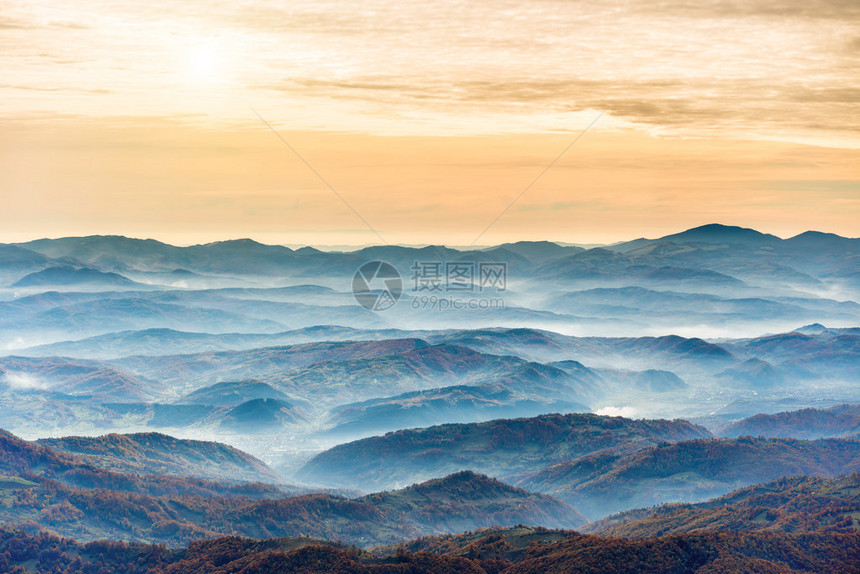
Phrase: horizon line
{"type": "Point", "coordinates": [345, 248]}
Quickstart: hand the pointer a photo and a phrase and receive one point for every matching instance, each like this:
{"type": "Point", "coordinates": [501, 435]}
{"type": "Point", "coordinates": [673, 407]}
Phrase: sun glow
{"type": "Point", "coordinates": [205, 63]}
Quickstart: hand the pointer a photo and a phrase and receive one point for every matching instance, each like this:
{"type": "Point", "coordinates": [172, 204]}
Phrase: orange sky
{"type": "Point", "coordinates": [428, 119]}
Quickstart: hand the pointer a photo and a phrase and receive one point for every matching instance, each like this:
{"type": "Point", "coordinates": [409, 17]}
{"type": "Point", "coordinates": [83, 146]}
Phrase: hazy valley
{"type": "Point", "coordinates": [705, 382]}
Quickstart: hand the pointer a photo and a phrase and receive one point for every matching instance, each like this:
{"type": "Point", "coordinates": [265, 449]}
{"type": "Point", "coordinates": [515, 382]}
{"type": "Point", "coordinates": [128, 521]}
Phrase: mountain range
{"type": "Point", "coordinates": [721, 275]}
{"type": "Point", "coordinates": [233, 403]}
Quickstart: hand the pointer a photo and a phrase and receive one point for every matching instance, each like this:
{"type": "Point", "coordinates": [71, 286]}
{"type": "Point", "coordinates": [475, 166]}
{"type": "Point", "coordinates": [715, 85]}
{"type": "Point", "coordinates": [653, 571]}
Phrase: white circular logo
{"type": "Point", "coordinates": [377, 286]}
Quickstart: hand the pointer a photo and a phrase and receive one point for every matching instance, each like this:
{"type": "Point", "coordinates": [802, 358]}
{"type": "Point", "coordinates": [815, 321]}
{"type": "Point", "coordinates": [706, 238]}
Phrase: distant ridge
{"type": "Point", "coordinates": [712, 233]}
{"type": "Point", "coordinates": [690, 258]}
{"type": "Point", "coordinates": [77, 246]}
{"type": "Point", "coordinates": [543, 249]}
{"type": "Point", "coordinates": [56, 276]}
{"type": "Point", "coordinates": [820, 239]}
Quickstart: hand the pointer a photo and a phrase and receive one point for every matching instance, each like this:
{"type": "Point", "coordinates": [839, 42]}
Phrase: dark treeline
{"type": "Point", "coordinates": [489, 552]}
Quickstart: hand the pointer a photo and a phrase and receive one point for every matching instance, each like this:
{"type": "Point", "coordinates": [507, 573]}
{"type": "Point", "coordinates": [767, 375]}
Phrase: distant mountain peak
{"type": "Point", "coordinates": [811, 234]}
{"type": "Point", "coordinates": [820, 239]}
{"type": "Point", "coordinates": [236, 393]}
{"type": "Point", "coordinates": [719, 233]}
{"type": "Point", "coordinates": [462, 477]}
{"type": "Point", "coordinates": [813, 329]}
{"type": "Point", "coordinates": [543, 243]}
{"type": "Point", "coordinates": [720, 228]}
{"type": "Point", "coordinates": [243, 242]}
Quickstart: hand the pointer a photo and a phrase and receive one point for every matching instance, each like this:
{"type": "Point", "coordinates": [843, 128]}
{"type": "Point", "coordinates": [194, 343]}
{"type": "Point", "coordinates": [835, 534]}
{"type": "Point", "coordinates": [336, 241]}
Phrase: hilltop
{"type": "Point", "coordinates": [155, 453]}
{"type": "Point", "coordinates": [791, 505]}
{"type": "Point", "coordinates": [841, 420]}
{"type": "Point", "coordinates": [688, 471]}
{"type": "Point", "coordinates": [497, 448]}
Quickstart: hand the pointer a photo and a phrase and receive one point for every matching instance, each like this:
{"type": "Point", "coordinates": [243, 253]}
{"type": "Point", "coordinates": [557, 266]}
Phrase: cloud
{"type": "Point", "coordinates": [21, 381]}
{"type": "Point", "coordinates": [628, 412]}
{"type": "Point", "coordinates": [805, 9]}
{"type": "Point", "coordinates": [742, 104]}
{"type": "Point", "coordinates": [45, 89]}
{"type": "Point", "coordinates": [11, 24]}
{"type": "Point", "coordinates": [773, 68]}
{"type": "Point", "coordinates": [7, 23]}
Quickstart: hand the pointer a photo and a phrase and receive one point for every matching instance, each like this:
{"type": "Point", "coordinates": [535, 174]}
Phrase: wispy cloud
{"type": "Point", "coordinates": [777, 68]}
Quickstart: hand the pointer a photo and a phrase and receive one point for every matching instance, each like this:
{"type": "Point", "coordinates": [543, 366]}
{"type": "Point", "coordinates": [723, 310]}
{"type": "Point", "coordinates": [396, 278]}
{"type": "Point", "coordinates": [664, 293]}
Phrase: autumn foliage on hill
{"type": "Point", "coordinates": [490, 552]}
{"type": "Point", "coordinates": [156, 453]}
{"type": "Point", "coordinates": [500, 447]}
{"type": "Point", "coordinates": [796, 504]}
{"type": "Point", "coordinates": [841, 420]}
{"type": "Point", "coordinates": [693, 471]}
{"type": "Point", "coordinates": [88, 514]}
{"type": "Point", "coordinates": [76, 499]}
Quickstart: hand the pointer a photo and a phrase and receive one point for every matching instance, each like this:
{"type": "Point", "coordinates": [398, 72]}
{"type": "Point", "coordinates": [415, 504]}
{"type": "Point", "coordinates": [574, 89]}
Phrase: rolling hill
{"type": "Point", "coordinates": [518, 550]}
{"type": "Point", "coordinates": [50, 470]}
{"type": "Point", "coordinates": [261, 416]}
{"type": "Point", "coordinates": [689, 471]}
{"type": "Point", "coordinates": [89, 317]}
{"type": "Point", "coordinates": [455, 499]}
{"type": "Point", "coordinates": [164, 342]}
{"type": "Point", "coordinates": [795, 504]}
{"type": "Point", "coordinates": [462, 403]}
{"type": "Point", "coordinates": [333, 382]}
{"type": "Point", "coordinates": [75, 378]}
{"type": "Point", "coordinates": [217, 366]}
{"type": "Point", "coordinates": [78, 499]}
{"type": "Point", "coordinates": [841, 420]}
{"type": "Point", "coordinates": [497, 448]}
{"type": "Point", "coordinates": [155, 453]}
{"type": "Point", "coordinates": [75, 277]}
{"type": "Point", "coordinates": [232, 394]}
